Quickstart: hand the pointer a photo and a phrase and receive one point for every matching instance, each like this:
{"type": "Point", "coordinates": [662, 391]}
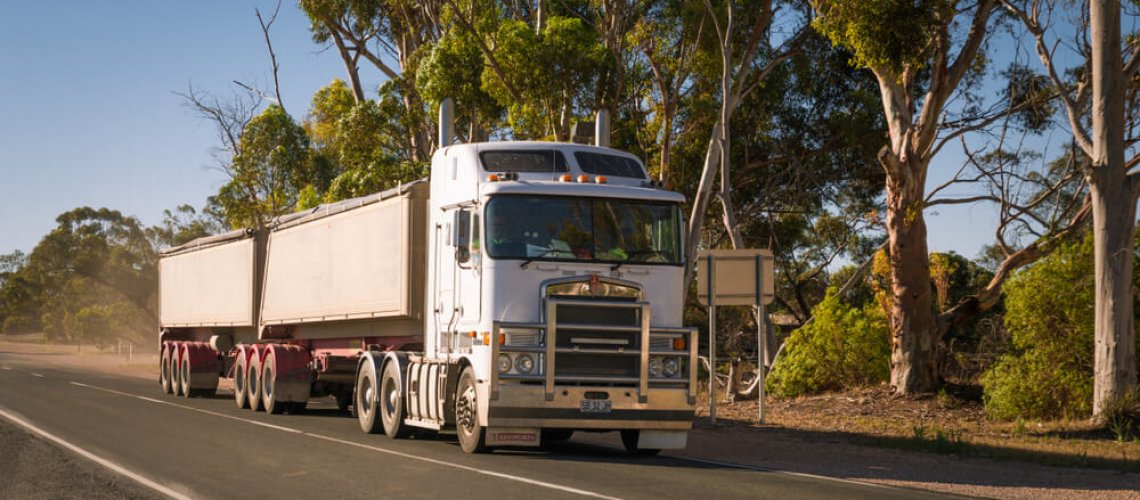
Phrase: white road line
{"type": "Point", "coordinates": [37, 375]}
{"type": "Point", "coordinates": [191, 408]}
{"type": "Point", "coordinates": [143, 480]}
{"type": "Point", "coordinates": [6, 367]}
{"type": "Point", "coordinates": [759, 468]}
{"type": "Point", "coordinates": [500, 475]}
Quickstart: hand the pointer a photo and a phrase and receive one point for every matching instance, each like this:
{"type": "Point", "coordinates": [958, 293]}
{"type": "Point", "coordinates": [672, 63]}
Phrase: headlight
{"type": "Point", "coordinates": [671, 367]}
{"type": "Point", "coordinates": [655, 367]}
{"type": "Point", "coordinates": [524, 363]}
{"type": "Point", "coordinates": [504, 363]}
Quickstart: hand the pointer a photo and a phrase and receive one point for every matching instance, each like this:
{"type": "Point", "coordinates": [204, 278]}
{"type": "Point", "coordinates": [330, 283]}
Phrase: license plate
{"type": "Point", "coordinates": [595, 406]}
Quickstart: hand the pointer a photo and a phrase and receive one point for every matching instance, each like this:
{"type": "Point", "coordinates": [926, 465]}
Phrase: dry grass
{"type": "Point", "coordinates": [950, 422]}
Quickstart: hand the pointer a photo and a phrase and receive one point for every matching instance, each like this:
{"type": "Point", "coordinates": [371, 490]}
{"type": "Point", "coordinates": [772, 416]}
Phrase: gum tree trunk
{"type": "Point", "coordinates": [913, 326]}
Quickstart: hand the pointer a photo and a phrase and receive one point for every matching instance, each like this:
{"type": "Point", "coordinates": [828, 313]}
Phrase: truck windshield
{"type": "Point", "coordinates": [583, 229]}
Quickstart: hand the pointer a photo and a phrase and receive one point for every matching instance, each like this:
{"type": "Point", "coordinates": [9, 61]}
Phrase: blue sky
{"type": "Point", "coordinates": [88, 114]}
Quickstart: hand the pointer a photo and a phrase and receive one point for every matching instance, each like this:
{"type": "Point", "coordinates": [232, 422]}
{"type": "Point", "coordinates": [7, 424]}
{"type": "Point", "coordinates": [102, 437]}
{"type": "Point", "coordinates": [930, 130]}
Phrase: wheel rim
{"type": "Point", "coordinates": [465, 410]}
{"type": "Point", "coordinates": [368, 398]}
{"type": "Point", "coordinates": [165, 366]}
{"type": "Point", "coordinates": [186, 372]}
{"type": "Point", "coordinates": [239, 381]}
{"type": "Point", "coordinates": [391, 397]}
{"type": "Point", "coordinates": [267, 382]}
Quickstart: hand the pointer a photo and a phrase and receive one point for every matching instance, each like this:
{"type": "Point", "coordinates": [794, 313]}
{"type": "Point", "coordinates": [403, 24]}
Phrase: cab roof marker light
{"type": "Point", "coordinates": [601, 179]}
{"type": "Point", "coordinates": [564, 178]}
{"type": "Point", "coordinates": [583, 178]}
{"type": "Point", "coordinates": [492, 177]}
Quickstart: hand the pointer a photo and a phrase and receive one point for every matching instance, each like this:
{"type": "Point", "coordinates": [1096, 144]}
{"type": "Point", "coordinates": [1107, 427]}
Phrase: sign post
{"type": "Point", "coordinates": [736, 277]}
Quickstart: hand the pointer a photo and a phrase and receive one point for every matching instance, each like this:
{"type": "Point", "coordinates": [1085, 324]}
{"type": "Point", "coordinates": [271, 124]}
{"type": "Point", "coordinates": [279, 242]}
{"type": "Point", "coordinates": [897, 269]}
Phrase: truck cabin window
{"type": "Point", "coordinates": [527, 160]}
{"type": "Point", "coordinates": [583, 229]}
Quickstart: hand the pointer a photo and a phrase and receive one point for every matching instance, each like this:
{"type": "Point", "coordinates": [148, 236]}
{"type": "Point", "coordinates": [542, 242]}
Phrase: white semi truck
{"type": "Point", "coordinates": [525, 291]}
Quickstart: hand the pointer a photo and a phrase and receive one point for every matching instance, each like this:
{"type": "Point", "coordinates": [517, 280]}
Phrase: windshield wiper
{"type": "Point", "coordinates": [544, 253]}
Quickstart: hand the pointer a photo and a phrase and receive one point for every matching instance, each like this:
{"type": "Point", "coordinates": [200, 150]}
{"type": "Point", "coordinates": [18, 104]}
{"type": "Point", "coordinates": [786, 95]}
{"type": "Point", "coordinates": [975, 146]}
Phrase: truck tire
{"type": "Point", "coordinates": [164, 369]}
{"type": "Point", "coordinates": [392, 403]}
{"type": "Point", "coordinates": [253, 381]}
{"type": "Point", "coordinates": [472, 436]}
{"type": "Point", "coordinates": [176, 368]}
{"type": "Point", "coordinates": [367, 398]}
{"type": "Point", "coordinates": [629, 439]}
{"type": "Point", "coordinates": [269, 386]}
{"type": "Point", "coordinates": [240, 372]}
{"type": "Point", "coordinates": [185, 373]}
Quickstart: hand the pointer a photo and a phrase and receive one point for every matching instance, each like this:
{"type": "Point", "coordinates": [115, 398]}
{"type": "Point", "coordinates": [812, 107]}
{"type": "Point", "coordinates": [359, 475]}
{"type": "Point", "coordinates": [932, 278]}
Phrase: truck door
{"type": "Point", "coordinates": [457, 289]}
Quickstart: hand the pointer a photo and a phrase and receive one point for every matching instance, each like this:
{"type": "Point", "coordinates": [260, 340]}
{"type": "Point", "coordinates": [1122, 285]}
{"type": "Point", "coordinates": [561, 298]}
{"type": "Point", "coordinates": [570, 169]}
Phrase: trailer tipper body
{"type": "Point", "coordinates": [525, 291]}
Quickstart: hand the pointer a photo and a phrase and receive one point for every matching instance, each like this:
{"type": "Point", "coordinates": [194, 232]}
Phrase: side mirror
{"type": "Point", "coordinates": [462, 228]}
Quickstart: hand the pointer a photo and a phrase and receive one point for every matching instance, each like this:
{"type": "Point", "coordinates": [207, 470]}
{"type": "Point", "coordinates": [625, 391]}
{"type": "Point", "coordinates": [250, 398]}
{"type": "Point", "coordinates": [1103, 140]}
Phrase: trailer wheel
{"type": "Point", "coordinates": [176, 368]}
{"type": "Point", "coordinates": [392, 403]}
{"type": "Point", "coordinates": [629, 439]}
{"type": "Point", "coordinates": [472, 436]}
{"type": "Point", "coordinates": [164, 369]}
{"type": "Point", "coordinates": [185, 374]}
{"type": "Point", "coordinates": [253, 381]}
{"type": "Point", "coordinates": [240, 390]}
{"type": "Point", "coordinates": [367, 398]}
{"type": "Point", "coordinates": [269, 386]}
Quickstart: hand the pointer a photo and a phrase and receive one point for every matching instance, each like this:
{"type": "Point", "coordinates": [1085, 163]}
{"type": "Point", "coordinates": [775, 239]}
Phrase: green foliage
{"type": "Point", "coordinates": [454, 68]}
{"type": "Point", "coordinates": [843, 347]}
{"type": "Point", "coordinates": [271, 166]}
{"type": "Point", "coordinates": [91, 278]}
{"type": "Point", "coordinates": [885, 35]}
{"type": "Point", "coordinates": [1049, 312]}
{"type": "Point", "coordinates": [554, 73]}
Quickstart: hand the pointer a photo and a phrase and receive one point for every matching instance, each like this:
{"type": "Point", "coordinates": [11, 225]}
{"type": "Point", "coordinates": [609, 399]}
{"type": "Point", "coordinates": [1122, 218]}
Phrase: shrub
{"type": "Point", "coordinates": [843, 346]}
{"type": "Point", "coordinates": [1049, 312]}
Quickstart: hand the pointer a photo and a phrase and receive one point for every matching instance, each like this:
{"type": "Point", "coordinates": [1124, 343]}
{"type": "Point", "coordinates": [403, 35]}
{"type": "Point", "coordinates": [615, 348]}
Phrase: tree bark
{"type": "Point", "coordinates": [913, 327]}
{"type": "Point", "coordinates": [1114, 352]}
{"type": "Point", "coordinates": [1114, 212]}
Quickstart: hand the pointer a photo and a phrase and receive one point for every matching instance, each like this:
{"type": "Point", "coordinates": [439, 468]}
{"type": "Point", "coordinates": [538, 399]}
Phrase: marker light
{"type": "Point", "coordinates": [601, 179]}
{"type": "Point", "coordinates": [679, 344]}
{"type": "Point", "coordinates": [564, 178]}
{"type": "Point", "coordinates": [583, 178]}
{"type": "Point", "coordinates": [492, 177]}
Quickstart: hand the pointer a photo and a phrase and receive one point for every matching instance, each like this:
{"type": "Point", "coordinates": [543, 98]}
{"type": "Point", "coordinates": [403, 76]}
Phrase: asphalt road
{"type": "Point", "coordinates": [207, 448]}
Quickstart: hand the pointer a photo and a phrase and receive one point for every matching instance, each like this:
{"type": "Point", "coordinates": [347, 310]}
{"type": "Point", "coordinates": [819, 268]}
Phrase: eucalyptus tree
{"type": "Point", "coordinates": [919, 60]}
{"type": "Point", "coordinates": [1100, 102]}
{"type": "Point", "coordinates": [272, 165]}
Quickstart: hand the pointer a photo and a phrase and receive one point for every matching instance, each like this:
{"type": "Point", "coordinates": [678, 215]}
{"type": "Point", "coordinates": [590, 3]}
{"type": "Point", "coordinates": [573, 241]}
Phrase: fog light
{"type": "Point", "coordinates": [524, 363]}
{"type": "Point", "coordinates": [655, 367]}
{"type": "Point", "coordinates": [504, 363]}
{"type": "Point", "coordinates": [671, 367]}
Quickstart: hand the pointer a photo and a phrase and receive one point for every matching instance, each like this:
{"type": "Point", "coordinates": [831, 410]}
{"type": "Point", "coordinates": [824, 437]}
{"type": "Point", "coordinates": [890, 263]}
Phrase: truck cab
{"type": "Point", "coordinates": [554, 280]}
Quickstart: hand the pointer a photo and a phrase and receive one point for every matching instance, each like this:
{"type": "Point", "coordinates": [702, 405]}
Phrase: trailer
{"type": "Point", "coordinates": [524, 291]}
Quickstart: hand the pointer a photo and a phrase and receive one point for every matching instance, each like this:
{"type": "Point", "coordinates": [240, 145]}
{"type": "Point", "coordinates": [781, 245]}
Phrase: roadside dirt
{"type": "Point", "coordinates": [939, 443]}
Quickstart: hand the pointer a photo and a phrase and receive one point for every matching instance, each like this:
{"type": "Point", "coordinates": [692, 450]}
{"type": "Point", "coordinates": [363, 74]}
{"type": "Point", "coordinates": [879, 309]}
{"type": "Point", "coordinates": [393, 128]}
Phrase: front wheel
{"type": "Point", "coordinates": [472, 436]}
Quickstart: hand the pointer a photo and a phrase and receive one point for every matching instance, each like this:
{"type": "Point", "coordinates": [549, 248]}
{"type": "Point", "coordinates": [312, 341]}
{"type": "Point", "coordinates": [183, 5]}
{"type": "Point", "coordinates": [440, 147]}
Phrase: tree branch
{"type": "Point", "coordinates": [272, 56]}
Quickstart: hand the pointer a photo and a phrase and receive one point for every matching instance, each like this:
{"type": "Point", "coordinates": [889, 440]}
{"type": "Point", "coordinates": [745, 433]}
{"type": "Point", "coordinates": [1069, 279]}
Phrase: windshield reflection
{"type": "Point", "coordinates": [583, 229]}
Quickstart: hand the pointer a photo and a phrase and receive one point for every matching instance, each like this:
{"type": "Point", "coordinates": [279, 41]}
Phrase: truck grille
{"type": "Point", "coordinates": [596, 365]}
{"type": "Point", "coordinates": [571, 315]}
